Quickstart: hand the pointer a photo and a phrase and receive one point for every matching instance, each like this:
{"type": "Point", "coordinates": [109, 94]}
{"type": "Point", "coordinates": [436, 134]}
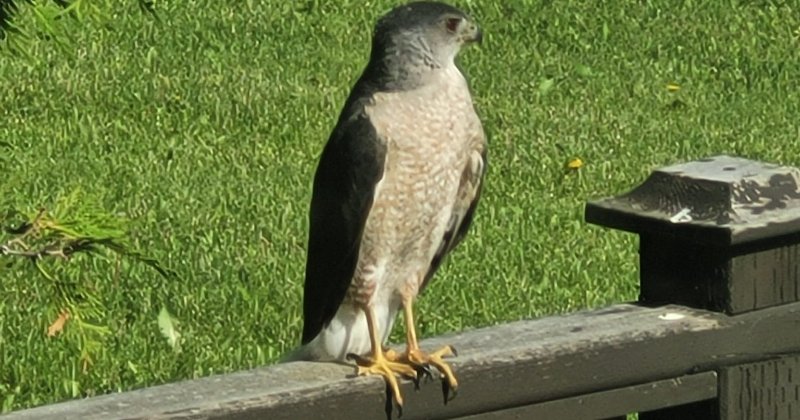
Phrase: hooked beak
{"type": "Point", "coordinates": [473, 34]}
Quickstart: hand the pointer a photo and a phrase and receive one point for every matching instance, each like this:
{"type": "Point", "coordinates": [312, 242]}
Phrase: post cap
{"type": "Point", "coordinates": [721, 200]}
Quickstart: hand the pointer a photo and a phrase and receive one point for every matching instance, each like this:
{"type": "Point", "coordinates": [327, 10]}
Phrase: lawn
{"type": "Point", "coordinates": [203, 128]}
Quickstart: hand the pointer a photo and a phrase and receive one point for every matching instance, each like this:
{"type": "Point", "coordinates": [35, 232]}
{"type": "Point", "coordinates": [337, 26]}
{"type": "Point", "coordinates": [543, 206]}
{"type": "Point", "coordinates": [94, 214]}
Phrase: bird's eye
{"type": "Point", "coordinates": [452, 24]}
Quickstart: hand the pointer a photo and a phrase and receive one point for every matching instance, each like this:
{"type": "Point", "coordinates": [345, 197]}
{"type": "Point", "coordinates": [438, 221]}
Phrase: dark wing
{"type": "Point", "coordinates": [344, 185]}
{"type": "Point", "coordinates": [469, 192]}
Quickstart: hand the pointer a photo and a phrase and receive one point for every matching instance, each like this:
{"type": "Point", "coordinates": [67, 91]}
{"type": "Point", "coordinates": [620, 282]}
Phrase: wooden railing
{"type": "Point", "coordinates": [715, 335]}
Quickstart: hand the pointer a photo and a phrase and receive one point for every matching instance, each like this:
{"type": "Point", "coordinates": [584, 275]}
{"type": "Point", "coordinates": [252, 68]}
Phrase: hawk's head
{"type": "Point", "coordinates": [416, 38]}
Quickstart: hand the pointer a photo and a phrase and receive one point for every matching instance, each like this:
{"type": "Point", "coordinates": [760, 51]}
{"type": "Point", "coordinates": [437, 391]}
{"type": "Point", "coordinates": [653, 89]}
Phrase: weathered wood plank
{"type": "Point", "coordinates": [763, 390]}
{"type": "Point", "coordinates": [501, 367]}
{"type": "Point", "coordinates": [616, 402]}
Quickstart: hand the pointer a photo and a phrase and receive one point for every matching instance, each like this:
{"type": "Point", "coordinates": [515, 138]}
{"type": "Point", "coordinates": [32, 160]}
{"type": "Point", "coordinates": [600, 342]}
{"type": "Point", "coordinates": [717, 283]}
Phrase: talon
{"type": "Point", "coordinates": [423, 362]}
{"type": "Point", "coordinates": [379, 365]}
{"type": "Point", "coordinates": [390, 404]}
{"type": "Point", "coordinates": [413, 356]}
{"type": "Point", "coordinates": [423, 371]}
{"type": "Point", "coordinates": [448, 393]}
{"type": "Point", "coordinates": [383, 364]}
{"type": "Point", "coordinates": [426, 369]}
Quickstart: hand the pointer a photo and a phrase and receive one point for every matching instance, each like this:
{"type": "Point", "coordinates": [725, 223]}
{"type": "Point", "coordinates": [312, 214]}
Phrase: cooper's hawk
{"type": "Point", "coordinates": [395, 191]}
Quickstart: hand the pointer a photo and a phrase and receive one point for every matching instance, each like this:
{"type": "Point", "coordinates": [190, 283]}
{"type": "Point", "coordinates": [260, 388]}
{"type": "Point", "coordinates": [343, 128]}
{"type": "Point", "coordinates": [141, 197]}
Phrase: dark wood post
{"type": "Point", "coordinates": [721, 234]}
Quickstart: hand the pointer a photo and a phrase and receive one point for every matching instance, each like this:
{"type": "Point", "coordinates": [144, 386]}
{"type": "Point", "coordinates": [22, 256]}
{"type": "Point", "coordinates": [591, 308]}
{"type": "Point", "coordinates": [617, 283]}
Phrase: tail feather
{"type": "Point", "coordinates": [298, 354]}
{"type": "Point", "coordinates": [346, 333]}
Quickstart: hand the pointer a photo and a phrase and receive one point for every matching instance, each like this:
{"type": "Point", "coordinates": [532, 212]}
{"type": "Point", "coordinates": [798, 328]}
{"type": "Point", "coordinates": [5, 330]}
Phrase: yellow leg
{"type": "Point", "coordinates": [417, 357]}
{"type": "Point", "coordinates": [378, 364]}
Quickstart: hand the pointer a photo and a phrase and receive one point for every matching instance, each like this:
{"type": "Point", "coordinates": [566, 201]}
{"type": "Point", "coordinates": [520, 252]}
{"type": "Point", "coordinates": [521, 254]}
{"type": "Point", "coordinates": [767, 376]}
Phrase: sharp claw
{"type": "Point", "coordinates": [453, 393]}
{"type": "Point", "coordinates": [448, 392]}
{"type": "Point", "coordinates": [387, 407]}
{"type": "Point", "coordinates": [392, 401]}
{"type": "Point", "coordinates": [423, 369]}
{"type": "Point", "coordinates": [428, 372]}
{"type": "Point", "coordinates": [387, 369]}
{"type": "Point", "coordinates": [453, 350]}
{"type": "Point", "coordinates": [445, 391]}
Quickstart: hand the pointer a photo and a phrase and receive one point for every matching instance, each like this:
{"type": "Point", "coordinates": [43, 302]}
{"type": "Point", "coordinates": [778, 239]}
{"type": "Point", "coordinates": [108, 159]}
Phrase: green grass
{"type": "Point", "coordinates": [204, 129]}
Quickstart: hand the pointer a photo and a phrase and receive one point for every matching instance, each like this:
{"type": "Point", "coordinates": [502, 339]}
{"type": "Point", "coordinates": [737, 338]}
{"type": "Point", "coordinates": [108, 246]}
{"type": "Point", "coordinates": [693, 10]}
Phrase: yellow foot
{"type": "Point", "coordinates": [421, 360]}
{"type": "Point", "coordinates": [387, 368]}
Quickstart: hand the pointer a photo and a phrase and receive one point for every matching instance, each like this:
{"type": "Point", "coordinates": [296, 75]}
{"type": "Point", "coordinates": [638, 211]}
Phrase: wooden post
{"type": "Point", "coordinates": [721, 234]}
{"type": "Point", "coordinates": [761, 390]}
